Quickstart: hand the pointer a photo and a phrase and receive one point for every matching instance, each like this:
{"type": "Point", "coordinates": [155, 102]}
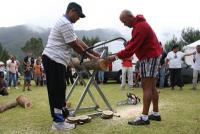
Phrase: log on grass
{"type": "Point", "coordinates": [4, 107]}
{"type": "Point", "coordinates": [23, 102]}
{"type": "Point", "coordinates": [100, 64]}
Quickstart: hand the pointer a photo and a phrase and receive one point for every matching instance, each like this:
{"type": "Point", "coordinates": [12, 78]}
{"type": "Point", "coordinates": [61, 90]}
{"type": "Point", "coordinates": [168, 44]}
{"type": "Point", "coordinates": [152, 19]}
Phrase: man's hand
{"type": "Point", "coordinates": [111, 58]}
{"type": "Point", "coordinates": [91, 56]}
{"type": "Point", "coordinates": [95, 53]}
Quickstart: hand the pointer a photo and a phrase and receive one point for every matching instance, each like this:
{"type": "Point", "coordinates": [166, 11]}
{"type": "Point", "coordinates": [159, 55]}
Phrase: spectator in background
{"type": "Point", "coordinates": [101, 76]}
{"type": "Point", "coordinates": [27, 76]}
{"type": "Point", "coordinates": [137, 74]}
{"type": "Point", "coordinates": [3, 85]}
{"type": "Point", "coordinates": [174, 61]}
{"type": "Point", "coordinates": [12, 66]}
{"type": "Point", "coordinates": [37, 72]}
{"type": "Point", "coordinates": [196, 66]}
{"type": "Point", "coordinates": [127, 72]}
{"type": "Point", "coordinates": [29, 59]}
{"type": "Point", "coordinates": [69, 76]}
{"type": "Point", "coordinates": [2, 68]}
{"type": "Point", "coordinates": [162, 70]}
{"type": "Point", "coordinates": [17, 71]}
{"type": "Point", "coordinates": [7, 68]}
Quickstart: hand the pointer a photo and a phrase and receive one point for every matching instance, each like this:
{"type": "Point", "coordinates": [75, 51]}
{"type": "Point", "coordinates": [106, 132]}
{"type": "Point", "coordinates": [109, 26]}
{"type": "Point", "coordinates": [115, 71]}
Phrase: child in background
{"type": "Point", "coordinates": [3, 85]}
{"type": "Point", "coordinates": [27, 77]}
{"type": "Point", "coordinates": [38, 72]}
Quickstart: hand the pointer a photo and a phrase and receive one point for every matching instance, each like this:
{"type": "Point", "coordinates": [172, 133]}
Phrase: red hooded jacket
{"type": "Point", "coordinates": [144, 42]}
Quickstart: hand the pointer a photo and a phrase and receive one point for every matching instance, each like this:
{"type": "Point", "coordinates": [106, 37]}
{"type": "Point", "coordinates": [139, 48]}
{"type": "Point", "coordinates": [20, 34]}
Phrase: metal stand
{"type": "Point", "coordinates": [87, 90]}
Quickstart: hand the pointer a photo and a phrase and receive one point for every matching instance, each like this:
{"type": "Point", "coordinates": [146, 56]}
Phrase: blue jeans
{"type": "Point", "coordinates": [162, 77]}
{"type": "Point", "coordinates": [12, 77]}
{"type": "Point", "coordinates": [101, 76]}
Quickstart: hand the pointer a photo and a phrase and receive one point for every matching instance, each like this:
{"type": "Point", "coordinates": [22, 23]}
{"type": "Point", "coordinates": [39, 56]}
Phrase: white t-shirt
{"type": "Point", "coordinates": [196, 65]}
{"type": "Point", "coordinates": [175, 59]}
{"type": "Point", "coordinates": [57, 48]}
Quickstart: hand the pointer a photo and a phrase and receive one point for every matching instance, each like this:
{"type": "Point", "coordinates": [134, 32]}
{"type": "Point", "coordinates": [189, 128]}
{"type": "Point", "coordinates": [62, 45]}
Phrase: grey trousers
{"type": "Point", "coordinates": [195, 77]}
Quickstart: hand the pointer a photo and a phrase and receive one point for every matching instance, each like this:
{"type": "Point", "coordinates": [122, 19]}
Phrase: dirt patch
{"type": "Point", "coordinates": [129, 111]}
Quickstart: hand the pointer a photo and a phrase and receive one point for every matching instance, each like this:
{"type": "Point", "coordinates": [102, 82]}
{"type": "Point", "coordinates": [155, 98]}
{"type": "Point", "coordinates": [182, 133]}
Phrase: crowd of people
{"type": "Point", "coordinates": [32, 69]}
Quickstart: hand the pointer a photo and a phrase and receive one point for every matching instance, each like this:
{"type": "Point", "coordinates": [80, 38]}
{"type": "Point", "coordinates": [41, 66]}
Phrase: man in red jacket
{"type": "Point", "coordinates": [145, 45]}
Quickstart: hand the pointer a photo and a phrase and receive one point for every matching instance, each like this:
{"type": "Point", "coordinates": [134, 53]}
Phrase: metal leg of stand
{"type": "Point", "coordinates": [102, 95]}
{"type": "Point", "coordinates": [72, 88]}
{"type": "Point", "coordinates": [84, 92]}
{"type": "Point", "coordinates": [92, 97]}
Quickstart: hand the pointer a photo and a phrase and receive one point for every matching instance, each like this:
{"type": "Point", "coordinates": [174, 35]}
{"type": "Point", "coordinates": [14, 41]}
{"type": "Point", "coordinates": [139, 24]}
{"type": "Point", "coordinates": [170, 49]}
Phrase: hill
{"type": "Point", "coordinates": [13, 38]}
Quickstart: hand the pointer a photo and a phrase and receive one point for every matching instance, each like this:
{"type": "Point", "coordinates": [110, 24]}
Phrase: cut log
{"type": "Point", "coordinates": [107, 114]}
{"type": "Point", "coordinates": [100, 64]}
{"type": "Point", "coordinates": [79, 119]}
{"type": "Point", "coordinates": [23, 102]}
{"type": "Point", "coordinates": [4, 107]}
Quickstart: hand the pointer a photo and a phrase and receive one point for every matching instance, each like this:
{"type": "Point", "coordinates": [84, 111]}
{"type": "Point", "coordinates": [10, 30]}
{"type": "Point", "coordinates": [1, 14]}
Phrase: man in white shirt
{"type": "Point", "coordinates": [174, 61]}
{"type": "Point", "coordinates": [56, 57]}
{"type": "Point", "coordinates": [196, 66]}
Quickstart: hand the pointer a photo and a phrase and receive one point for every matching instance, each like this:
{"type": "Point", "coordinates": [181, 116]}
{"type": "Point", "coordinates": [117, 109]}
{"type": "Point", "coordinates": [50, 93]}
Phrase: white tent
{"type": "Point", "coordinates": [189, 49]}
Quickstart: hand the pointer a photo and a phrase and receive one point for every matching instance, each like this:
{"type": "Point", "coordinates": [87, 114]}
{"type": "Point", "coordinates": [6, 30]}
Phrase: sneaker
{"type": "Point", "coordinates": [139, 121]}
{"type": "Point", "coordinates": [155, 118]}
{"type": "Point", "coordinates": [62, 126]}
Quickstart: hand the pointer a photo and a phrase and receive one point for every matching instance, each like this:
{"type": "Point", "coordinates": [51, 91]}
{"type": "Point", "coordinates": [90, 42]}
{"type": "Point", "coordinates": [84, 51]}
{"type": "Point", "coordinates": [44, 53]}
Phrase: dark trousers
{"type": "Point", "coordinates": [56, 84]}
{"type": "Point", "coordinates": [176, 77]}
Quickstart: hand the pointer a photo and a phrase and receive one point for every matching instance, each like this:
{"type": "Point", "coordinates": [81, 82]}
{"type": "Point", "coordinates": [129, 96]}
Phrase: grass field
{"type": "Point", "coordinates": [180, 112]}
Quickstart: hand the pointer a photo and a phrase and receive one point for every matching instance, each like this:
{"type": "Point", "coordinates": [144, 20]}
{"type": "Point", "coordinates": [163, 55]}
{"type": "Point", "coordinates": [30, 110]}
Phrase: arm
{"type": "Point", "coordinates": [190, 54]}
{"type": "Point", "coordinates": [79, 41]}
{"type": "Point", "coordinates": [138, 37]}
{"type": "Point", "coordinates": [79, 49]}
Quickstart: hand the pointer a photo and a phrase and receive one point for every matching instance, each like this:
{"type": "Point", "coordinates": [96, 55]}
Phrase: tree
{"type": "Point", "coordinates": [4, 55]}
{"type": "Point", "coordinates": [190, 35]}
{"type": "Point", "coordinates": [90, 41]}
{"type": "Point", "coordinates": [33, 45]}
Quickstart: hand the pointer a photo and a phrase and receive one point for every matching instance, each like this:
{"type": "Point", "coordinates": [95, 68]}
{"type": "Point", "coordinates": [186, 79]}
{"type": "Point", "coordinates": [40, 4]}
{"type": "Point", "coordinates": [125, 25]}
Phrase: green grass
{"type": "Point", "coordinates": [180, 112]}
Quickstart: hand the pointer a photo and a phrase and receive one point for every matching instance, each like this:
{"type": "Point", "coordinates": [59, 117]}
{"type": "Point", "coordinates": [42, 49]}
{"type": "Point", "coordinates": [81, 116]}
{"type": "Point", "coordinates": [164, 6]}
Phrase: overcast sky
{"type": "Point", "coordinates": [165, 16]}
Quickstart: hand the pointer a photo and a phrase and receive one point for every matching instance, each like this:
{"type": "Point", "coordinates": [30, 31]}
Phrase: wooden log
{"type": "Point", "coordinates": [100, 64]}
{"type": "Point", "coordinates": [23, 102]}
{"type": "Point", "coordinates": [79, 119]}
{"type": "Point", "coordinates": [107, 114]}
{"type": "Point", "coordinates": [4, 107]}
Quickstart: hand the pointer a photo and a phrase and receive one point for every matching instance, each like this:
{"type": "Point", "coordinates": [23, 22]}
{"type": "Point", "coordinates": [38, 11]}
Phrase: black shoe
{"type": "Point", "coordinates": [155, 118]}
{"type": "Point", "coordinates": [139, 122]}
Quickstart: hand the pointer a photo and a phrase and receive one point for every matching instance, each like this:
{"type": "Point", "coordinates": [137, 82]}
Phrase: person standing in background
{"type": "Point", "coordinates": [162, 69]}
{"type": "Point", "coordinates": [127, 72]}
{"type": "Point", "coordinates": [196, 66]}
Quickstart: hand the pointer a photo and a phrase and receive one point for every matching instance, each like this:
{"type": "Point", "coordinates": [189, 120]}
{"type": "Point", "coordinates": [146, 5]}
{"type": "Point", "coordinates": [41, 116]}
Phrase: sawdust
{"type": "Point", "coordinates": [129, 111]}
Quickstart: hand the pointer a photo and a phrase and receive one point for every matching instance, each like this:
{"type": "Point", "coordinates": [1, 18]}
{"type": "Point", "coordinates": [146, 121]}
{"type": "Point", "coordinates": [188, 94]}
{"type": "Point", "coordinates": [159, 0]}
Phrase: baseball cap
{"type": "Point", "coordinates": [77, 7]}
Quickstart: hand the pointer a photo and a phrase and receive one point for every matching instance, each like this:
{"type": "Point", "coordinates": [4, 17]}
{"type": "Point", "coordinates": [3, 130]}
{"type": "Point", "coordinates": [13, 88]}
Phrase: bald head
{"type": "Point", "coordinates": [127, 18]}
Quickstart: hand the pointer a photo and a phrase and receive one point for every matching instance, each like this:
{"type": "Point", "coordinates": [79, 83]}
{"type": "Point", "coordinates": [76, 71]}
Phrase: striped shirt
{"type": "Point", "coordinates": [57, 48]}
